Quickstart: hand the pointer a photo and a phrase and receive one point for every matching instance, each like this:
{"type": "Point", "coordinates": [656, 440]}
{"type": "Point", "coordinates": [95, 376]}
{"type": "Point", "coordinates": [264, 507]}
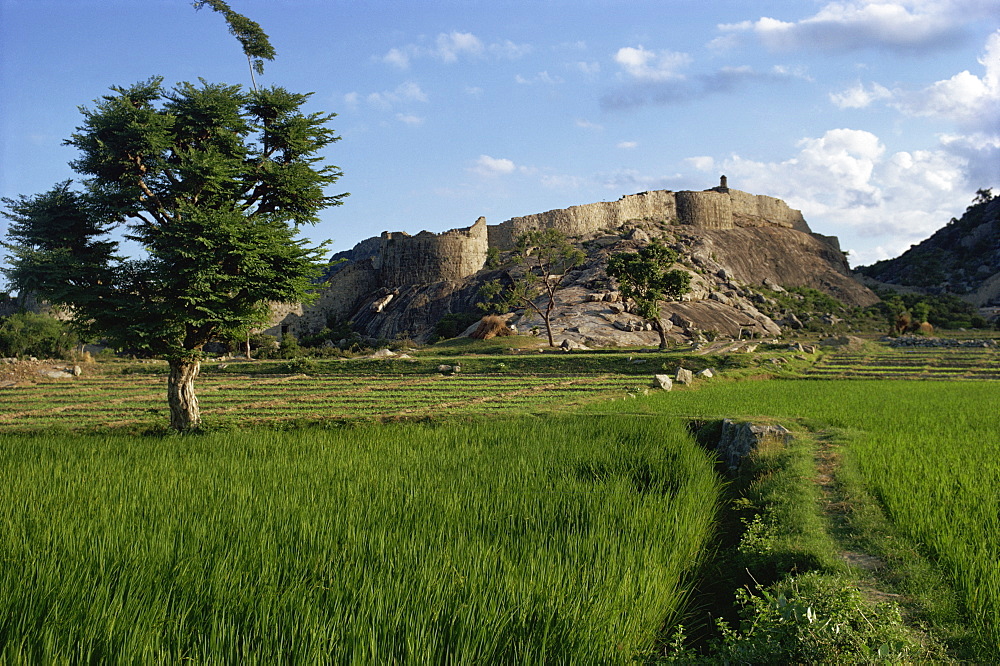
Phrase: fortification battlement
{"type": "Point", "coordinates": [430, 257]}
{"type": "Point", "coordinates": [459, 253]}
{"type": "Point", "coordinates": [717, 208]}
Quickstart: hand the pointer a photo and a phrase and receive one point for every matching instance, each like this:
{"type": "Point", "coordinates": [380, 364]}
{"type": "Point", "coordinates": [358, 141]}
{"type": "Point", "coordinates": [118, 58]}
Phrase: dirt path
{"type": "Point", "coordinates": [837, 509]}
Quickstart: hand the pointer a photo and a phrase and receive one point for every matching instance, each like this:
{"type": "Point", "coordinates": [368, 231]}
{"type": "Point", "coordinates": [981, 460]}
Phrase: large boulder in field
{"type": "Point", "coordinates": [844, 342]}
{"type": "Point", "coordinates": [663, 382]}
{"type": "Point", "coordinates": [739, 439]}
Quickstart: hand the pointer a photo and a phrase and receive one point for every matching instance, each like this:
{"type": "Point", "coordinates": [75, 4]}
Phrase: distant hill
{"type": "Point", "coordinates": [961, 258]}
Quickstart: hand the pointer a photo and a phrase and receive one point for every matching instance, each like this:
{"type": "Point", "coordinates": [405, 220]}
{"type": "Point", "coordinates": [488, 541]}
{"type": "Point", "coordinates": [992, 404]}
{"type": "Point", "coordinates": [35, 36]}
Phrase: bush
{"type": "Point", "coordinates": [816, 618]}
{"type": "Point", "coordinates": [31, 334]}
{"type": "Point", "coordinates": [264, 346]}
{"type": "Point", "coordinates": [451, 325]}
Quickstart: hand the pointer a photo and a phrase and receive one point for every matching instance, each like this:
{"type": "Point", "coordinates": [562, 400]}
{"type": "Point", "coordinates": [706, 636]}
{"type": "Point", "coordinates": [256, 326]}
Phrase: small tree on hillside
{"type": "Point", "coordinates": [647, 278]}
{"type": "Point", "coordinates": [897, 316]}
{"type": "Point", "coordinates": [212, 183]}
{"type": "Point", "coordinates": [547, 257]}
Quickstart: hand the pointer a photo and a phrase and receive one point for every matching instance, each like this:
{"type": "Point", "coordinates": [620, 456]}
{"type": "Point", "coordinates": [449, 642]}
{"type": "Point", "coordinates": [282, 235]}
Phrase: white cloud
{"type": "Point", "coordinates": [797, 72]}
{"type": "Point", "coordinates": [981, 153]}
{"type": "Point", "coordinates": [846, 182]}
{"type": "Point", "coordinates": [563, 182]}
{"type": "Point", "coordinates": [586, 124]}
{"type": "Point", "coordinates": [650, 90]}
{"type": "Point", "coordinates": [859, 97]}
{"type": "Point", "coordinates": [351, 99]}
{"type": "Point", "coordinates": [509, 50]}
{"type": "Point", "coordinates": [404, 92]}
{"type": "Point", "coordinates": [903, 25]}
{"type": "Point", "coordinates": [644, 65]}
{"type": "Point", "coordinates": [588, 67]}
{"type": "Point", "coordinates": [409, 119]}
{"type": "Point", "coordinates": [701, 163]}
{"type": "Point", "coordinates": [449, 47]}
{"type": "Point", "coordinates": [970, 102]}
{"type": "Point", "coordinates": [627, 145]}
{"type": "Point", "coordinates": [493, 166]}
{"type": "Point", "coordinates": [542, 77]}
{"type": "Point", "coordinates": [966, 99]}
{"type": "Point", "coordinates": [397, 58]}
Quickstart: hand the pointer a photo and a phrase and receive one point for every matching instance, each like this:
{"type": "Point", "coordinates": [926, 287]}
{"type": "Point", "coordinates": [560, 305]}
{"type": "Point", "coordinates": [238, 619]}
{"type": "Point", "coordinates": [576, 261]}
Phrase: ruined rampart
{"type": "Point", "coordinates": [589, 218]}
{"type": "Point", "coordinates": [429, 257]}
{"type": "Point", "coordinates": [758, 210]}
{"type": "Point", "coordinates": [717, 208]}
{"type": "Point", "coordinates": [708, 210]}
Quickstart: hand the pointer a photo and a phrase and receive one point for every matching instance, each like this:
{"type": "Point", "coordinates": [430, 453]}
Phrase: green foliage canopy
{"type": "Point", "coordinates": [647, 278]}
{"type": "Point", "coordinates": [211, 181]}
{"type": "Point", "coordinates": [34, 334]}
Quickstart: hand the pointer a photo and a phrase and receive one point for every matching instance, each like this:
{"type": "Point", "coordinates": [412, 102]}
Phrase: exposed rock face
{"type": "Point", "coordinates": [753, 255]}
{"type": "Point", "coordinates": [738, 440]}
{"type": "Point", "coordinates": [401, 285]}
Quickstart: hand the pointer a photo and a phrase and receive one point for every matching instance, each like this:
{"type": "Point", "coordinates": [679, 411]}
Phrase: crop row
{"type": "Point", "coordinates": [95, 401]}
{"type": "Point", "coordinates": [909, 364]}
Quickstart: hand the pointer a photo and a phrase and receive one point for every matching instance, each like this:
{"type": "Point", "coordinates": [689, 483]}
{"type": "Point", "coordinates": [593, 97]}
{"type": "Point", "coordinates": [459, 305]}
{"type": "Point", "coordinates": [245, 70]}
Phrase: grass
{"type": "Point", "coordinates": [919, 461]}
{"type": "Point", "coordinates": [568, 540]}
{"type": "Point", "coordinates": [927, 452]}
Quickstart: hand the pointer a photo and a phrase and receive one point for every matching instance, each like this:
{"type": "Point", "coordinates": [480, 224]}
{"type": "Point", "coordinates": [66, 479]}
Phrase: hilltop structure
{"type": "Point", "coordinates": [398, 284]}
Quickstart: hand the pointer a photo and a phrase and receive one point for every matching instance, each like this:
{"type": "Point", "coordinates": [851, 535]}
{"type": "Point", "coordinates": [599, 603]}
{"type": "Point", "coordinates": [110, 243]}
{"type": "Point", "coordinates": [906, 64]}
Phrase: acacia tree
{"type": "Point", "coordinates": [212, 182]}
{"type": "Point", "coordinates": [647, 278]}
{"type": "Point", "coordinates": [547, 257]}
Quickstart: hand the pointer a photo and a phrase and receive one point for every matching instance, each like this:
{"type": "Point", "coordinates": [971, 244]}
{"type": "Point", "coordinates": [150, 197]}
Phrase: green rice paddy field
{"type": "Point", "coordinates": [569, 539]}
{"type": "Point", "coordinates": [929, 451]}
{"type": "Point", "coordinates": [544, 523]}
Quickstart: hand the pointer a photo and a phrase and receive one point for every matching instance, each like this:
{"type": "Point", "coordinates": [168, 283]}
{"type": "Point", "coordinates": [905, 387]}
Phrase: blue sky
{"type": "Point", "coordinates": [878, 119]}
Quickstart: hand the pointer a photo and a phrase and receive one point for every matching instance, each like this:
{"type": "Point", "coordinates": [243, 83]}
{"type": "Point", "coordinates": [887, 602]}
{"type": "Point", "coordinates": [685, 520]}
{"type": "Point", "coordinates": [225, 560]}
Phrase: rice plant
{"type": "Point", "coordinates": [569, 540]}
{"type": "Point", "coordinates": [929, 451]}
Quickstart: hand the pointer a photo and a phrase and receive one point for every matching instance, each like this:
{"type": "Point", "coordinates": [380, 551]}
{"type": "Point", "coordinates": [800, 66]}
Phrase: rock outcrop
{"type": "Point", "coordinates": [732, 242]}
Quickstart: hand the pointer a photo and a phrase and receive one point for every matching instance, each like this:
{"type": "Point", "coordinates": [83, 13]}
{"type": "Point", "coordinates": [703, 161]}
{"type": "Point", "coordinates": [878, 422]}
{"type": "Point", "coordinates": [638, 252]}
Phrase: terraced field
{"type": "Point", "coordinates": [137, 401]}
{"type": "Point", "coordinates": [909, 363]}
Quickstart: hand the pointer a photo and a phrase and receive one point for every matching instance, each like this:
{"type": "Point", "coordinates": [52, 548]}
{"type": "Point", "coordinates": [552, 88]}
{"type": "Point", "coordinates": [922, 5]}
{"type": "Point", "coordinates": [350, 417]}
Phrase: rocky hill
{"type": "Point", "coordinates": [740, 248]}
{"type": "Point", "coordinates": [962, 258]}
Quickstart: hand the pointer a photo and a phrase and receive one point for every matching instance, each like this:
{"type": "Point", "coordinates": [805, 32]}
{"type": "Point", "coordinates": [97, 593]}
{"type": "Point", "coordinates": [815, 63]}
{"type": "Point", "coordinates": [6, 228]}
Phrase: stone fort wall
{"type": "Point", "coordinates": [402, 259]}
{"type": "Point", "coordinates": [430, 257]}
{"type": "Point", "coordinates": [589, 218]}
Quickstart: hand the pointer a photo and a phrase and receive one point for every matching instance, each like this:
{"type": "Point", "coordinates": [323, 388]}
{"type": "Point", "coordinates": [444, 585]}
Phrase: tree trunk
{"type": "Point", "coordinates": [184, 412]}
{"type": "Point", "coordinates": [548, 327]}
{"type": "Point", "coordinates": [658, 325]}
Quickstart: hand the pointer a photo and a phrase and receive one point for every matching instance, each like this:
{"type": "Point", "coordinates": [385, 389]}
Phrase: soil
{"type": "Point", "coordinates": [21, 373]}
